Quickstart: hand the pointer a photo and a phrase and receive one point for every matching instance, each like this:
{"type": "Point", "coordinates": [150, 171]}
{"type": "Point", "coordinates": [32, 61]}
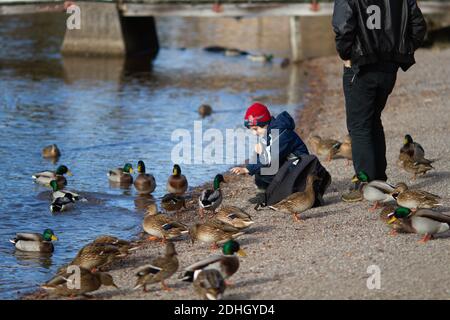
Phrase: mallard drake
{"type": "Point", "coordinates": [324, 147]}
{"type": "Point", "coordinates": [209, 284]}
{"type": "Point", "coordinates": [415, 168]}
{"type": "Point", "coordinates": [422, 221]}
{"type": "Point", "coordinates": [375, 191]}
{"type": "Point", "coordinates": [63, 203]}
{"type": "Point", "coordinates": [51, 151]}
{"type": "Point", "coordinates": [144, 183]}
{"type": "Point", "coordinates": [172, 203]}
{"type": "Point", "coordinates": [45, 177]}
{"type": "Point", "coordinates": [413, 151]}
{"type": "Point", "coordinates": [210, 199]}
{"type": "Point", "coordinates": [160, 226]}
{"type": "Point", "coordinates": [121, 175]}
{"type": "Point", "coordinates": [65, 285]}
{"type": "Point", "coordinates": [214, 232]}
{"type": "Point", "coordinates": [204, 110]}
{"type": "Point", "coordinates": [345, 149]}
{"type": "Point", "coordinates": [227, 264]}
{"type": "Point", "coordinates": [159, 269]}
{"type": "Point", "coordinates": [35, 242]}
{"type": "Point", "coordinates": [398, 226]}
{"type": "Point", "coordinates": [234, 216]}
{"type": "Point", "coordinates": [58, 193]}
{"type": "Point", "coordinates": [177, 183]}
{"type": "Point", "coordinates": [413, 199]}
{"type": "Point", "coordinates": [298, 202]}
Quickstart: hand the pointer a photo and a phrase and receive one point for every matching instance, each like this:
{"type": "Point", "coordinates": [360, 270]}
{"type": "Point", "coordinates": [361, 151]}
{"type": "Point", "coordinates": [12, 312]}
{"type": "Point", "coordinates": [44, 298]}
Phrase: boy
{"type": "Point", "coordinates": [259, 120]}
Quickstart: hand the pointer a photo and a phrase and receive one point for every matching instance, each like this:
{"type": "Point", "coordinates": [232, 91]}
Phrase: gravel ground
{"type": "Point", "coordinates": [326, 256]}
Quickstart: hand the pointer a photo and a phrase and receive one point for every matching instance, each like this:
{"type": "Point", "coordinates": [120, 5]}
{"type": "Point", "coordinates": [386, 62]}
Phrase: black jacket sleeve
{"type": "Point", "coordinates": [417, 24]}
{"type": "Point", "coordinates": [344, 26]}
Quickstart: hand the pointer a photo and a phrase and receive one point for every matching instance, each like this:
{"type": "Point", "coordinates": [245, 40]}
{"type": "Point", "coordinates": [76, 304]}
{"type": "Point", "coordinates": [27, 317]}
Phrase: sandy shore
{"type": "Point", "coordinates": [327, 255]}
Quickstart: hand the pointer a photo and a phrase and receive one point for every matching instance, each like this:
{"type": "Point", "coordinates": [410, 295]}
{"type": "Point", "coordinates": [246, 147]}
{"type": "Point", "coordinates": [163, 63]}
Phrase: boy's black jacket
{"type": "Point", "coordinates": [403, 29]}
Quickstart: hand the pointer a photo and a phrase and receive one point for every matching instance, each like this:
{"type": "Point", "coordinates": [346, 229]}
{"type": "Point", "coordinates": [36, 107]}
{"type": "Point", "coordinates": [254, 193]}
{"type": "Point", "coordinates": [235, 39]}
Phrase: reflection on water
{"type": "Point", "coordinates": [105, 112]}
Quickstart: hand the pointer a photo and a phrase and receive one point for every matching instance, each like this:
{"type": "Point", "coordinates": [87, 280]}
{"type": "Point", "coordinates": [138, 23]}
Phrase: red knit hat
{"type": "Point", "coordinates": [257, 115]}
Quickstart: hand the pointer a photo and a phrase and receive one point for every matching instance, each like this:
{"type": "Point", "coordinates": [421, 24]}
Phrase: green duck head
{"type": "Point", "coordinates": [54, 185]}
{"type": "Point", "coordinates": [217, 180]}
{"type": "Point", "coordinates": [399, 213]}
{"type": "Point", "coordinates": [127, 168]}
{"type": "Point", "coordinates": [63, 170]}
{"type": "Point", "coordinates": [48, 235]}
{"type": "Point", "coordinates": [231, 247]}
{"type": "Point", "coordinates": [408, 139]}
{"type": "Point", "coordinates": [360, 177]}
{"type": "Point", "coordinates": [141, 166]}
{"type": "Point", "coordinates": [176, 170]}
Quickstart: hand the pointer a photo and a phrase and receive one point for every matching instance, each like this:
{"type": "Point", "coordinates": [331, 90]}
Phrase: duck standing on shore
{"type": "Point", "coordinates": [413, 199]}
{"type": "Point", "coordinates": [45, 177]}
{"type": "Point", "coordinates": [173, 203]}
{"type": "Point", "coordinates": [161, 227]}
{"type": "Point", "coordinates": [324, 147]}
{"type": "Point", "coordinates": [177, 182]}
{"type": "Point", "coordinates": [121, 176]}
{"type": "Point", "coordinates": [415, 168]}
{"type": "Point", "coordinates": [375, 191]}
{"type": "Point", "coordinates": [210, 199]}
{"type": "Point", "coordinates": [35, 242]}
{"type": "Point", "coordinates": [144, 183]}
{"type": "Point", "coordinates": [234, 216]}
{"type": "Point", "coordinates": [422, 221]}
{"type": "Point", "coordinates": [214, 232]}
{"type": "Point", "coordinates": [413, 151]}
{"type": "Point", "coordinates": [158, 270]}
{"type": "Point", "coordinates": [298, 202]}
{"type": "Point", "coordinates": [64, 284]}
{"type": "Point", "coordinates": [209, 284]}
{"type": "Point", "coordinates": [227, 264]}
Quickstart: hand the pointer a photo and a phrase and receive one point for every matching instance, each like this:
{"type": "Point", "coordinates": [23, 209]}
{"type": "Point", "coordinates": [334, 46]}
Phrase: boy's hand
{"type": "Point", "coordinates": [239, 170]}
{"type": "Point", "coordinates": [258, 148]}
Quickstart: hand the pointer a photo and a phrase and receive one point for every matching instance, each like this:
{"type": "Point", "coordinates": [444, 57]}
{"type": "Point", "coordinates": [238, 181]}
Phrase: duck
{"type": "Point", "coordinates": [413, 150]}
{"type": "Point", "coordinates": [35, 242]}
{"type": "Point", "coordinates": [234, 216]}
{"type": "Point", "coordinates": [214, 232]}
{"type": "Point", "coordinates": [210, 199]}
{"type": "Point", "coordinates": [64, 284]}
{"type": "Point", "coordinates": [158, 270]}
{"type": "Point", "coordinates": [45, 177]}
{"type": "Point", "coordinates": [375, 191]}
{"type": "Point", "coordinates": [209, 284]}
{"type": "Point", "coordinates": [124, 246]}
{"type": "Point", "coordinates": [59, 193]}
{"type": "Point", "coordinates": [324, 147]}
{"type": "Point", "coordinates": [298, 202]}
{"type": "Point", "coordinates": [161, 227]}
{"type": "Point", "coordinates": [413, 199]}
{"type": "Point", "coordinates": [345, 149]}
{"type": "Point", "coordinates": [121, 175]}
{"type": "Point", "coordinates": [205, 110]}
{"type": "Point", "coordinates": [51, 151]}
{"type": "Point", "coordinates": [413, 167]}
{"type": "Point", "coordinates": [177, 182]}
{"type": "Point", "coordinates": [172, 203]}
{"type": "Point", "coordinates": [425, 222]}
{"type": "Point", "coordinates": [64, 203]}
{"type": "Point", "coordinates": [227, 264]}
{"type": "Point", "coordinates": [96, 256]}
{"type": "Point", "coordinates": [397, 226]}
{"type": "Point", "coordinates": [144, 183]}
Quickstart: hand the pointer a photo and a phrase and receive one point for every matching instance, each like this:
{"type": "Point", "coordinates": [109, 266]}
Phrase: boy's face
{"type": "Point", "coordinates": [258, 131]}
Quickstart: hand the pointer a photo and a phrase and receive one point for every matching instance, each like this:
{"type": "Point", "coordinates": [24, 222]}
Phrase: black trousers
{"type": "Point", "coordinates": [262, 182]}
{"type": "Point", "coordinates": [366, 94]}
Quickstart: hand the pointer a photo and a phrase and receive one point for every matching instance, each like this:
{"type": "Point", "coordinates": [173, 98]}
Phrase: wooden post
{"type": "Point", "coordinates": [103, 32]}
{"type": "Point", "coordinates": [296, 39]}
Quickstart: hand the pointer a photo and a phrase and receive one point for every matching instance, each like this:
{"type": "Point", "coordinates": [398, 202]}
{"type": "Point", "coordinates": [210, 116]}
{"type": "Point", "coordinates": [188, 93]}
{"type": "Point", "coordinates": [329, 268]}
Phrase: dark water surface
{"type": "Point", "coordinates": [104, 112]}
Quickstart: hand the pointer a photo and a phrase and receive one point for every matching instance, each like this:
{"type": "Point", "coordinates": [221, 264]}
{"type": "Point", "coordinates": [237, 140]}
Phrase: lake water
{"type": "Point", "coordinates": [104, 112]}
